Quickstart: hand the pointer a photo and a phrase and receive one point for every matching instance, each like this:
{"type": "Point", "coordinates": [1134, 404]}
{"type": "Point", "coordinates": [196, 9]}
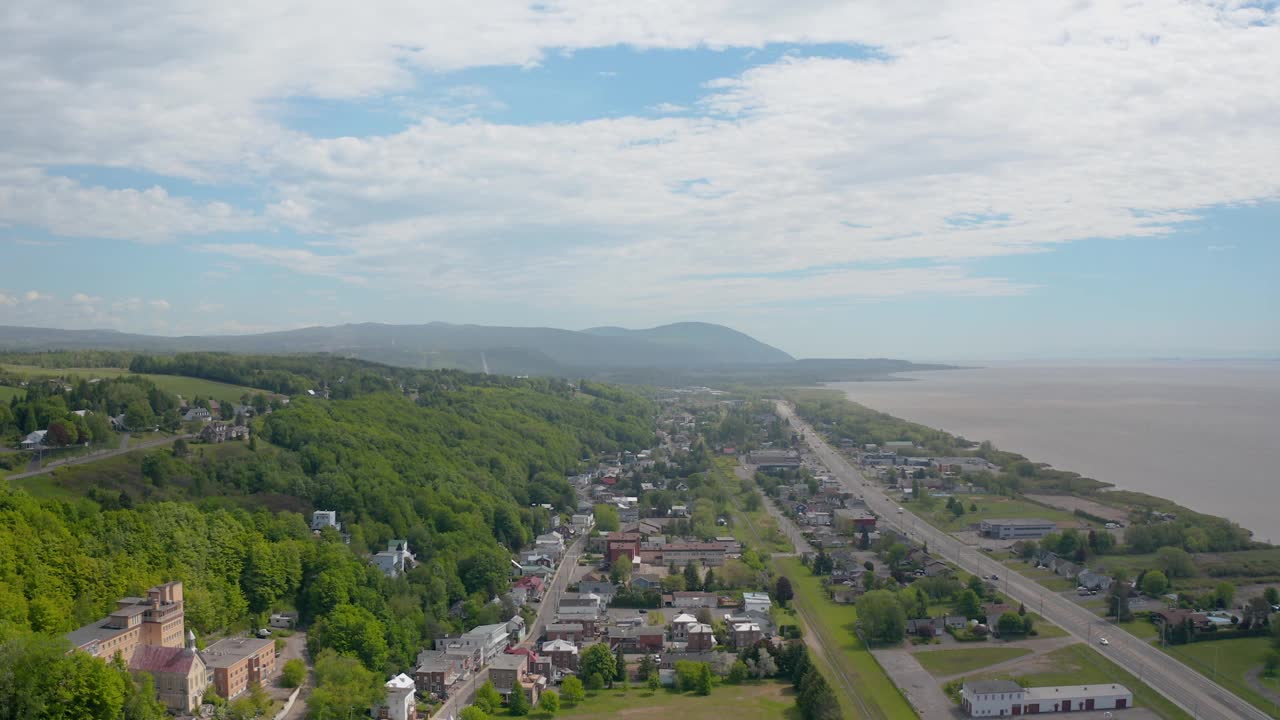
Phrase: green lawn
{"type": "Point", "coordinates": [1080, 664]}
{"type": "Point", "coordinates": [750, 701]}
{"type": "Point", "coordinates": [1228, 662]}
{"type": "Point", "coordinates": [990, 506]}
{"type": "Point", "coordinates": [187, 387]}
{"type": "Point", "coordinates": [942, 663]}
{"type": "Point", "coordinates": [835, 625]}
{"type": "Point", "coordinates": [1046, 629]}
{"type": "Point", "coordinates": [1140, 628]}
{"type": "Point", "coordinates": [1050, 580]}
{"type": "Point", "coordinates": [8, 393]}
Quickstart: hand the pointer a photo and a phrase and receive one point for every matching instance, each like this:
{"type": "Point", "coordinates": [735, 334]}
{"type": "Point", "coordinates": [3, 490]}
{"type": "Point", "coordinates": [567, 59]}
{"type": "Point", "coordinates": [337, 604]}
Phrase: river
{"type": "Point", "coordinates": [1205, 435]}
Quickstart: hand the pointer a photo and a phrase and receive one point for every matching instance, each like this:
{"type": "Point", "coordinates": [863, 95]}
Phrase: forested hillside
{"type": "Point", "coordinates": [456, 471]}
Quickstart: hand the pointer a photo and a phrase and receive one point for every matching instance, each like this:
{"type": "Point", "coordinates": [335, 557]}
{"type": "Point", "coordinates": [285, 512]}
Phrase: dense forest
{"type": "Point", "coordinates": [51, 405]}
{"type": "Point", "coordinates": [458, 472]}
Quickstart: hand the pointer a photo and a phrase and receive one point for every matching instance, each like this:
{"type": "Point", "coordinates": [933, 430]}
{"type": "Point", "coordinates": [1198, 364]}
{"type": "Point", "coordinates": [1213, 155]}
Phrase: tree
{"type": "Point", "coordinates": [180, 448]}
{"type": "Point", "coordinates": [1271, 666]}
{"type": "Point", "coordinates": [782, 591]}
{"type": "Point", "coordinates": [968, 604]}
{"type": "Point", "coordinates": [864, 540]}
{"type": "Point", "coordinates": [597, 660]}
{"type": "Point", "coordinates": [692, 579]}
{"type": "Point", "coordinates": [595, 682]}
{"type": "Point", "coordinates": [816, 700]}
{"type": "Point", "coordinates": [1224, 594]}
{"type": "Point", "coordinates": [977, 585]}
{"type": "Point", "coordinates": [344, 688]}
{"type": "Point", "coordinates": [653, 682]}
{"type": "Point", "coordinates": [517, 703]}
{"type": "Point", "coordinates": [1175, 562]}
{"type": "Point", "coordinates": [571, 690]}
{"type": "Point", "coordinates": [293, 674]}
{"type": "Point", "coordinates": [709, 582]}
{"type": "Point", "coordinates": [488, 698]}
{"type": "Point", "coordinates": [704, 682]}
{"type": "Point", "coordinates": [882, 617]}
{"type": "Point", "coordinates": [647, 667]}
{"type": "Point", "coordinates": [1010, 623]}
{"type": "Point", "coordinates": [351, 630]}
{"type": "Point", "coordinates": [473, 712]}
{"type": "Point", "coordinates": [620, 573]}
{"type": "Point", "coordinates": [1118, 598]}
{"type": "Point", "coordinates": [738, 673]}
{"type": "Point", "coordinates": [896, 554]}
{"type": "Point", "coordinates": [549, 703]}
{"type": "Point", "coordinates": [619, 666]}
{"type": "Point", "coordinates": [607, 518]}
{"type": "Point", "coordinates": [1271, 595]}
{"type": "Point", "coordinates": [1154, 583]}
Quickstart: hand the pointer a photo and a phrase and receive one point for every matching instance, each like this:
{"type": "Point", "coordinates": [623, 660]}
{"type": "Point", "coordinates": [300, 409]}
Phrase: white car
{"type": "Point", "coordinates": [1103, 641]}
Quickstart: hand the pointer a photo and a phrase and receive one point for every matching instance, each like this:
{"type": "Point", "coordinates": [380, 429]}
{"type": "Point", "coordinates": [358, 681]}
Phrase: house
{"type": "Point", "coordinates": [538, 664]}
{"type": "Point", "coordinates": [1094, 581]}
{"type": "Point", "coordinates": [396, 560]}
{"type": "Point", "coordinates": [285, 620]}
{"type": "Point", "coordinates": [646, 581]}
{"type": "Point", "coordinates": [1016, 528]}
{"type": "Point", "coordinates": [551, 544]}
{"type": "Point", "coordinates": [852, 522]}
{"type": "Point", "coordinates": [679, 511]}
{"type": "Point", "coordinates": [532, 585]}
{"type": "Point", "coordinates": [218, 432]}
{"type": "Point", "coordinates": [239, 662]}
{"type": "Point", "coordinates": [400, 703]}
{"type": "Point", "coordinates": [701, 637]}
{"type": "Point", "coordinates": [437, 672]}
{"type": "Point", "coordinates": [923, 627]}
{"type": "Point", "coordinates": [590, 623]}
{"type": "Point", "coordinates": [34, 441]}
{"type": "Point", "coordinates": [993, 611]}
{"type": "Point", "coordinates": [693, 599]}
{"type": "Point", "coordinates": [179, 674]}
{"type": "Point", "coordinates": [705, 554]}
{"type": "Point", "coordinates": [581, 600]}
{"type": "Point", "coordinates": [321, 519]}
{"type": "Point", "coordinates": [756, 602]}
{"type": "Point", "coordinates": [571, 632]}
{"type": "Point", "coordinates": [1002, 698]}
{"type": "Point", "coordinates": [563, 654]}
{"type": "Point", "coordinates": [510, 673]}
{"type": "Point", "coordinates": [158, 620]}
{"type": "Point", "coordinates": [680, 627]}
{"type": "Point", "coordinates": [603, 588]}
{"type": "Point", "coordinates": [197, 414]}
{"type": "Point", "coordinates": [582, 521]}
{"type": "Point", "coordinates": [637, 639]}
{"type": "Point", "coordinates": [620, 543]}
{"type": "Point", "coordinates": [746, 634]}
{"type": "Point", "coordinates": [485, 641]}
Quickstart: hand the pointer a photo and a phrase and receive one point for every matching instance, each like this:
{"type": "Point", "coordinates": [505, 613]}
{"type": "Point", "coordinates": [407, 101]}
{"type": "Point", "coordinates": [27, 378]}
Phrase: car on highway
{"type": "Point", "coordinates": [643, 611]}
{"type": "Point", "coordinates": [1103, 641]}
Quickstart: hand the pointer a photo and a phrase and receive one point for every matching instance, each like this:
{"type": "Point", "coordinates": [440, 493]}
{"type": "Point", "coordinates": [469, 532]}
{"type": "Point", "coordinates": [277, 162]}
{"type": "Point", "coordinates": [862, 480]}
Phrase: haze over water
{"type": "Point", "coordinates": [1202, 434]}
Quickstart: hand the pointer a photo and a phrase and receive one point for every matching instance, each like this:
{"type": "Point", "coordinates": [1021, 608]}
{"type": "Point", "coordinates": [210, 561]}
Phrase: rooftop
{"type": "Point", "coordinates": [508, 662]}
{"type": "Point", "coordinates": [1022, 522]}
{"type": "Point", "coordinates": [987, 687]}
{"type": "Point", "coordinates": [153, 659]}
{"type": "Point", "coordinates": [1075, 691]}
{"type": "Point", "coordinates": [230, 651]}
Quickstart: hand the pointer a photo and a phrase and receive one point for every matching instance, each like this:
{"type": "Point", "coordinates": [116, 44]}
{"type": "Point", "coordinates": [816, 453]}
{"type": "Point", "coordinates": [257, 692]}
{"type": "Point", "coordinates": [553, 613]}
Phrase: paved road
{"type": "Point", "coordinates": [101, 455]}
{"type": "Point", "coordinates": [1192, 691]}
{"type": "Point", "coordinates": [461, 696]}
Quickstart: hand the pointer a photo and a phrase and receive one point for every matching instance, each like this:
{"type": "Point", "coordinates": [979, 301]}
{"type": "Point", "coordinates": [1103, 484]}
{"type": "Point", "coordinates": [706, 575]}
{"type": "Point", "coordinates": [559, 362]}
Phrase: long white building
{"type": "Point", "coordinates": [1005, 698]}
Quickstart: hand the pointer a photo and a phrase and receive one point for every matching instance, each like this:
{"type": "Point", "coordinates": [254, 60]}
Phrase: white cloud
{"type": "Point", "coordinates": [34, 296]}
{"type": "Point", "coordinates": [7, 300]}
{"type": "Point", "coordinates": [159, 304]}
{"type": "Point", "coordinates": [85, 299]}
{"type": "Point", "coordinates": [982, 129]}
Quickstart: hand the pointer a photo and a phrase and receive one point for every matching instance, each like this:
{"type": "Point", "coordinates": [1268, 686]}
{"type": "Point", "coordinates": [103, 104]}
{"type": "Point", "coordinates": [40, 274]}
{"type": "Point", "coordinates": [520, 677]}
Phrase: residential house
{"type": "Point", "coordinates": [550, 544]}
{"type": "Point", "coordinates": [532, 585]}
{"type": "Point", "coordinates": [701, 637]}
{"type": "Point", "coordinates": [34, 440]}
{"type": "Point", "coordinates": [704, 554]}
{"type": "Point", "coordinates": [1094, 581]}
{"type": "Point", "coordinates": [197, 414]}
{"type": "Point", "coordinates": [924, 627]}
{"type": "Point", "coordinates": [179, 674]}
{"type": "Point", "coordinates": [563, 654]}
{"type": "Point", "coordinates": [582, 522]}
{"type": "Point", "coordinates": [239, 662]}
{"type": "Point", "coordinates": [591, 624]}
{"type": "Point", "coordinates": [993, 611]}
{"type": "Point", "coordinates": [603, 588]}
{"type": "Point", "coordinates": [437, 672]}
{"type": "Point", "coordinates": [680, 627]}
{"type": "Point", "coordinates": [570, 632]}
{"type": "Point", "coordinates": [647, 638]}
{"type": "Point", "coordinates": [746, 634]}
{"type": "Point", "coordinates": [756, 602]}
{"type": "Point", "coordinates": [400, 703]}
{"type": "Point", "coordinates": [321, 519]}
{"type": "Point", "coordinates": [218, 432]}
{"type": "Point", "coordinates": [396, 560]}
{"type": "Point", "coordinates": [646, 581]}
{"type": "Point", "coordinates": [510, 673]}
{"type": "Point", "coordinates": [692, 599]}
{"type": "Point", "coordinates": [284, 620]}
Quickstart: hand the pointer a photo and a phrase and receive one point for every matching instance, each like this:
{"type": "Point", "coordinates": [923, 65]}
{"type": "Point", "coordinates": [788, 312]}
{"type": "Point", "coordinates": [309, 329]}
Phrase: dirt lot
{"type": "Point", "coordinates": [1071, 503]}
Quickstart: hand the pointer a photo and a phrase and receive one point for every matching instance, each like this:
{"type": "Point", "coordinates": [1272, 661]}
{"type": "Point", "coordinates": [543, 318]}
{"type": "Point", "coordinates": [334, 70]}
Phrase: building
{"type": "Point", "coordinates": [198, 414]}
{"type": "Point", "coordinates": [284, 620]}
{"type": "Point", "coordinates": [533, 586]}
{"type": "Point", "coordinates": [570, 632]}
{"type": "Point", "coordinates": [34, 441]}
{"type": "Point", "coordinates": [693, 599]}
{"type": "Point", "coordinates": [1003, 698]}
{"type": "Point", "coordinates": [217, 432]}
{"type": "Point", "coordinates": [680, 627]}
{"type": "Point", "coordinates": [400, 703]}
{"type": "Point", "coordinates": [767, 460]}
{"type": "Point", "coordinates": [156, 620]}
{"type": "Point", "coordinates": [756, 602]}
{"type": "Point", "coordinates": [437, 672]}
{"type": "Point", "coordinates": [852, 521]}
{"type": "Point", "coordinates": [321, 519]}
{"type": "Point", "coordinates": [510, 673]}
{"type": "Point", "coordinates": [646, 581]}
{"type": "Point", "coordinates": [645, 638]}
{"type": "Point", "coordinates": [563, 654]}
{"type": "Point", "coordinates": [396, 560]}
{"type": "Point", "coordinates": [179, 674]}
{"type": "Point", "coordinates": [701, 637]}
{"type": "Point", "coordinates": [620, 544]}
{"type": "Point", "coordinates": [488, 641]}
{"type": "Point", "coordinates": [705, 554]}
{"type": "Point", "coordinates": [237, 663]}
{"type": "Point", "coordinates": [582, 522]}
{"type": "Point", "coordinates": [1016, 529]}
{"type": "Point", "coordinates": [746, 634]}
{"type": "Point", "coordinates": [605, 589]}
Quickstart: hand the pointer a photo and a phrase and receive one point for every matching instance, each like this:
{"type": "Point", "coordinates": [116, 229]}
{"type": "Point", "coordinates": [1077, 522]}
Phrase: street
{"type": "Point", "coordinates": [1192, 691]}
{"type": "Point", "coordinates": [461, 696]}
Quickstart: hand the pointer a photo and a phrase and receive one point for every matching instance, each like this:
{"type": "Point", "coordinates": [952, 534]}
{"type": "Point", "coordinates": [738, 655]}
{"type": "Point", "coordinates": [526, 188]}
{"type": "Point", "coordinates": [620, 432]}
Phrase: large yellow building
{"type": "Point", "coordinates": [156, 620]}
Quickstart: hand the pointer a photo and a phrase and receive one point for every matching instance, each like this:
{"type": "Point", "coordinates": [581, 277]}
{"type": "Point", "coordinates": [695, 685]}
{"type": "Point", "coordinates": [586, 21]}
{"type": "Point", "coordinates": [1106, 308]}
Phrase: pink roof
{"type": "Point", "coordinates": [529, 581]}
{"type": "Point", "coordinates": [153, 659]}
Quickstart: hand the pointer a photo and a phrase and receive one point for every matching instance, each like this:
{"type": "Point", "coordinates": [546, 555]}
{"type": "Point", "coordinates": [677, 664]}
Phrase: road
{"type": "Point", "coordinates": [101, 455]}
{"type": "Point", "coordinates": [461, 696]}
{"type": "Point", "coordinates": [1195, 693]}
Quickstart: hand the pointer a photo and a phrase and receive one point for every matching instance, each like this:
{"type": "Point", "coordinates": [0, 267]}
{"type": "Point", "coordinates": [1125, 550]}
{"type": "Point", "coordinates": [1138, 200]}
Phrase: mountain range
{"type": "Point", "coordinates": [667, 353]}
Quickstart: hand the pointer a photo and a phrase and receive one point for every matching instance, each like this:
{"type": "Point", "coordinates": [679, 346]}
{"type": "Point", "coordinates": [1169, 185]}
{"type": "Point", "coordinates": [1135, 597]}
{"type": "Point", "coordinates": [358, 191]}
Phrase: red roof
{"type": "Point", "coordinates": [153, 659]}
{"type": "Point", "coordinates": [529, 581]}
{"type": "Point", "coordinates": [609, 480]}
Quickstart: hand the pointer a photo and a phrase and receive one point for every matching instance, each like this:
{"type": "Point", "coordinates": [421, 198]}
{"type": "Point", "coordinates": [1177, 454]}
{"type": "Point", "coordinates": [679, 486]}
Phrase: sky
{"type": "Point", "coordinates": [931, 180]}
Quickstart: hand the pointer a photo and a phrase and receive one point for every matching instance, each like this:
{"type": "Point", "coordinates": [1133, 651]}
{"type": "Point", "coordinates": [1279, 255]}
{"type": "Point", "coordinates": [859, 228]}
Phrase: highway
{"type": "Point", "coordinates": [1195, 693]}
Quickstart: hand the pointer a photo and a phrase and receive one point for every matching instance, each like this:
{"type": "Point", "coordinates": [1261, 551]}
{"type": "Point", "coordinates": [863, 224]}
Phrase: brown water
{"type": "Point", "coordinates": [1206, 435]}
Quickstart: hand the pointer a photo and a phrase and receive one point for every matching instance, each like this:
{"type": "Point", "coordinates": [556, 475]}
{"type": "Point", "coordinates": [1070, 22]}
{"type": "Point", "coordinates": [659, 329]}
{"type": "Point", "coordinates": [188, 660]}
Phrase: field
{"type": "Point", "coordinates": [989, 507]}
{"type": "Point", "coordinates": [833, 624]}
{"type": "Point", "coordinates": [1240, 568]}
{"type": "Point", "coordinates": [8, 393]}
{"type": "Point", "coordinates": [1230, 663]}
{"type": "Point", "coordinates": [942, 663]}
{"type": "Point", "coordinates": [1081, 665]}
{"type": "Point", "coordinates": [1050, 580]}
{"type": "Point", "coordinates": [187, 387]}
{"type": "Point", "coordinates": [751, 701]}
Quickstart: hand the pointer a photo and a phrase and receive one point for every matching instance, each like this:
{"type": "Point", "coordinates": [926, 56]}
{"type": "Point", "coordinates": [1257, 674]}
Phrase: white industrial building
{"type": "Point", "coordinates": [1005, 698]}
{"type": "Point", "coordinates": [1017, 529]}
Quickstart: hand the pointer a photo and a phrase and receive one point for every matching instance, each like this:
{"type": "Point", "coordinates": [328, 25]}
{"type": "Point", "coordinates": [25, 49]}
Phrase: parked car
{"type": "Point", "coordinates": [1103, 641]}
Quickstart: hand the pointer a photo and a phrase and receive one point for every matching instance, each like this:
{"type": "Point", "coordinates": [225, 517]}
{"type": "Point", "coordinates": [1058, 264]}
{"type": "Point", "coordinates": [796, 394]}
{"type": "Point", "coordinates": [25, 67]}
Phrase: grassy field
{"type": "Point", "coordinates": [1228, 662]}
{"type": "Point", "coordinates": [751, 701]}
{"type": "Point", "coordinates": [1050, 580]}
{"type": "Point", "coordinates": [989, 507]}
{"type": "Point", "coordinates": [942, 663]}
{"type": "Point", "coordinates": [1046, 629]}
{"type": "Point", "coordinates": [1140, 628]}
{"type": "Point", "coordinates": [187, 387]}
{"type": "Point", "coordinates": [835, 629]}
{"type": "Point", "coordinates": [8, 393]}
{"type": "Point", "coordinates": [1241, 568]}
{"type": "Point", "coordinates": [1080, 664]}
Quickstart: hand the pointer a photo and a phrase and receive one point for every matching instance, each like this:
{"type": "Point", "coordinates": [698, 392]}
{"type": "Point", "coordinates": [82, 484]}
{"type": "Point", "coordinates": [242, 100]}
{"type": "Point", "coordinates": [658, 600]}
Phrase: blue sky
{"type": "Point", "coordinates": [835, 179]}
